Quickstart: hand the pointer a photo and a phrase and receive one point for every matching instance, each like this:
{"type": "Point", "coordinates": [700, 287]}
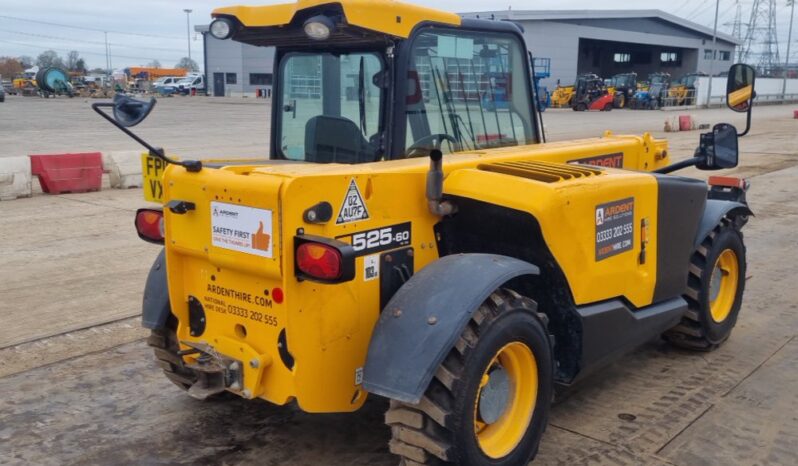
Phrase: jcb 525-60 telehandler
{"type": "Point", "coordinates": [406, 240]}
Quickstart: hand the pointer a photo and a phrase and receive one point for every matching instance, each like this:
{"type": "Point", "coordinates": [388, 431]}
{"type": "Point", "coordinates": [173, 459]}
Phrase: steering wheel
{"type": "Point", "coordinates": [431, 141]}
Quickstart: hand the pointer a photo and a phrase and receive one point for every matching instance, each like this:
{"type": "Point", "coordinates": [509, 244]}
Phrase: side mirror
{"type": "Point", "coordinates": [719, 148]}
{"type": "Point", "coordinates": [740, 87]}
{"type": "Point", "coordinates": [129, 111]}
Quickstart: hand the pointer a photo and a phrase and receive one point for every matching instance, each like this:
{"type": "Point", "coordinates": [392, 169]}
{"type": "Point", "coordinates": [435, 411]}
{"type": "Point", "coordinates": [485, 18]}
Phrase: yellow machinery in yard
{"type": "Point", "coordinates": [682, 90]}
{"type": "Point", "coordinates": [562, 96]}
{"type": "Point", "coordinates": [413, 236]}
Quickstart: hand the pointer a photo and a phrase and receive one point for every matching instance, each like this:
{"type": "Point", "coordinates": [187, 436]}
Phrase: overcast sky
{"type": "Point", "coordinates": [147, 30]}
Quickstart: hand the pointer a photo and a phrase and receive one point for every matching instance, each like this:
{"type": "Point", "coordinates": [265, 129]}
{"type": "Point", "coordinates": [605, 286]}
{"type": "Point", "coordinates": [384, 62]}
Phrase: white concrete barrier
{"type": "Point", "coordinates": [767, 90]}
{"type": "Point", "coordinates": [15, 178]}
{"type": "Point", "coordinates": [124, 168]}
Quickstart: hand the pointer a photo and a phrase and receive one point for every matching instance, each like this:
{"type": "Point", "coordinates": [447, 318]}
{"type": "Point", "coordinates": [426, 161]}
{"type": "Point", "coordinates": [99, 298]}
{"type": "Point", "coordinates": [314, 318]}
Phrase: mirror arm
{"type": "Point", "coordinates": [679, 165]}
{"type": "Point", "coordinates": [190, 165]}
{"type": "Point", "coordinates": [747, 122]}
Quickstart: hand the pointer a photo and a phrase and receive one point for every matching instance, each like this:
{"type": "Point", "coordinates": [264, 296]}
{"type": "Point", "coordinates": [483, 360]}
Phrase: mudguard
{"type": "Point", "coordinates": [423, 320]}
{"type": "Point", "coordinates": [155, 308]}
{"type": "Point", "coordinates": [714, 211]}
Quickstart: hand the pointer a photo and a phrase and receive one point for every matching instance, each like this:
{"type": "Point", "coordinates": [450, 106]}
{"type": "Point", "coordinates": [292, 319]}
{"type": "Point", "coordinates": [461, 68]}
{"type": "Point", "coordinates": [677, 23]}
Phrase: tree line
{"type": "Point", "coordinates": [72, 61]}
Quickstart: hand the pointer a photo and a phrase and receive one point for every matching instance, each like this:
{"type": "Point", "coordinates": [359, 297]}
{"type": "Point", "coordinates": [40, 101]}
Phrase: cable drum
{"type": "Point", "coordinates": [54, 80]}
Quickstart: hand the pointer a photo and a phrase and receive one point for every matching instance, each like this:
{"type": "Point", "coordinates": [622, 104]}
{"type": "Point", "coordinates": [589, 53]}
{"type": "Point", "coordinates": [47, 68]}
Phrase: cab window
{"type": "Point", "coordinates": [330, 107]}
{"type": "Point", "coordinates": [467, 91]}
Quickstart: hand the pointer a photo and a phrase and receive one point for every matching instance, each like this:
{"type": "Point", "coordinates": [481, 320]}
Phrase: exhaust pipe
{"type": "Point", "coordinates": [435, 202]}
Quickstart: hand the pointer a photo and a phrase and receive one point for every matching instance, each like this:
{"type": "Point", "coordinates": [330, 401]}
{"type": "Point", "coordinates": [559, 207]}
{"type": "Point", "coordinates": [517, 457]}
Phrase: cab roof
{"type": "Point", "coordinates": [358, 19]}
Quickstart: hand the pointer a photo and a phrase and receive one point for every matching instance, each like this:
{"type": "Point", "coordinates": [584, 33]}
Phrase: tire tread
{"type": "Point", "coordinates": [690, 333]}
{"type": "Point", "coordinates": [429, 443]}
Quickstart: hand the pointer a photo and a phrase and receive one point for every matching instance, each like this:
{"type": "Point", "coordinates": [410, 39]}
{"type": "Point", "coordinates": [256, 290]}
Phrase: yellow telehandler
{"type": "Point", "coordinates": [413, 236]}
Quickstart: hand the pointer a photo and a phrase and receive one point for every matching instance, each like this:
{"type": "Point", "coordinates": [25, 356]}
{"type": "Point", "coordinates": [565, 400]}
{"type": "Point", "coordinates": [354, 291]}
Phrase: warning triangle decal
{"type": "Point", "coordinates": [353, 208]}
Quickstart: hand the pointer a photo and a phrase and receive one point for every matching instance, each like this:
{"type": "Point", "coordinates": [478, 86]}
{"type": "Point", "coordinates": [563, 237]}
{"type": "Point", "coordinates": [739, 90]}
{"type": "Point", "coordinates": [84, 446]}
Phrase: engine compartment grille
{"type": "Point", "coordinates": [545, 172]}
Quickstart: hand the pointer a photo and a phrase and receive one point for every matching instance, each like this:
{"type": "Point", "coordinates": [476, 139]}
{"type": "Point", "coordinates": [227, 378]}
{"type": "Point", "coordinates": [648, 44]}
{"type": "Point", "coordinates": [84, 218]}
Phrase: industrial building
{"type": "Point", "coordinates": [605, 42]}
{"type": "Point", "coordinates": [236, 69]}
{"type": "Point", "coordinates": [608, 42]}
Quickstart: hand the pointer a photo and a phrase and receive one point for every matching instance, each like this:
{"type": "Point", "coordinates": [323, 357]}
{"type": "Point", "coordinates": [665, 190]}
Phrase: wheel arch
{"type": "Point", "coordinates": [422, 321]}
{"type": "Point", "coordinates": [155, 308]}
{"type": "Point", "coordinates": [714, 212]}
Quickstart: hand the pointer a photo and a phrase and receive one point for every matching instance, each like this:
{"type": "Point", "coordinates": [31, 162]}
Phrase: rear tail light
{"type": "Point", "coordinates": [324, 260]}
{"type": "Point", "coordinates": [149, 225]}
{"type": "Point", "coordinates": [728, 182]}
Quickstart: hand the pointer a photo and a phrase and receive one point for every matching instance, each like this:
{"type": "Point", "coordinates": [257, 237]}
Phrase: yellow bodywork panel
{"type": "Point", "coordinates": [385, 16]}
{"type": "Point", "coordinates": [567, 213]}
{"type": "Point", "coordinates": [257, 309]}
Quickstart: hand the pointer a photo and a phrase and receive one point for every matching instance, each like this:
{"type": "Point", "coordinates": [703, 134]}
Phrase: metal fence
{"type": "Point", "coordinates": [676, 98]}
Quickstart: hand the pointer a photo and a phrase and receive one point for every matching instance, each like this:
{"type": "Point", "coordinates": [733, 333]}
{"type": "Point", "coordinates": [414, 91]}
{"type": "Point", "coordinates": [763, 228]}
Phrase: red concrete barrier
{"type": "Point", "coordinates": [68, 173]}
{"type": "Point", "coordinates": [685, 123]}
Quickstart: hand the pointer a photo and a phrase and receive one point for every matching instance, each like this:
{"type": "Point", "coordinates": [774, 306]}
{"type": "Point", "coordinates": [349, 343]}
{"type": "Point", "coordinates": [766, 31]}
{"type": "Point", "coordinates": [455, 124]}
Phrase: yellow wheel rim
{"type": "Point", "coordinates": [723, 285]}
{"type": "Point", "coordinates": [506, 400]}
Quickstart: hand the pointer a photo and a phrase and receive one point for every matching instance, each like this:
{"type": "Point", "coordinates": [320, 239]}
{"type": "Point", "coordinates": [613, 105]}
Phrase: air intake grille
{"type": "Point", "coordinates": [546, 172]}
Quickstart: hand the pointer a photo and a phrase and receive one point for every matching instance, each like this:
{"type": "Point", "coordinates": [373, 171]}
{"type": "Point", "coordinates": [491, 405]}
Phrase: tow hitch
{"type": "Point", "coordinates": [215, 372]}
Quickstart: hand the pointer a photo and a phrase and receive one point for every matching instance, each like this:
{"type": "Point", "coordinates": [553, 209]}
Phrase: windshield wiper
{"type": "Point", "coordinates": [361, 96]}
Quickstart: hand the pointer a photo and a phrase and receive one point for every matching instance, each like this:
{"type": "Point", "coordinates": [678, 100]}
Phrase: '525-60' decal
{"type": "Point", "coordinates": [379, 239]}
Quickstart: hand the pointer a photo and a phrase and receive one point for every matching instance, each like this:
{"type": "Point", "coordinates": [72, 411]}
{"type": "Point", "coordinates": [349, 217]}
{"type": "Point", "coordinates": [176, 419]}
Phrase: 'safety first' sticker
{"type": "Point", "coordinates": [243, 229]}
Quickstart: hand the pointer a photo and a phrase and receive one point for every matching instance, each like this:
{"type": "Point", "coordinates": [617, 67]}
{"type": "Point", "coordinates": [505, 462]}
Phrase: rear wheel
{"type": "Point", "coordinates": [164, 344]}
{"type": "Point", "coordinates": [608, 106]}
{"type": "Point", "coordinates": [488, 403]}
{"type": "Point", "coordinates": [715, 291]}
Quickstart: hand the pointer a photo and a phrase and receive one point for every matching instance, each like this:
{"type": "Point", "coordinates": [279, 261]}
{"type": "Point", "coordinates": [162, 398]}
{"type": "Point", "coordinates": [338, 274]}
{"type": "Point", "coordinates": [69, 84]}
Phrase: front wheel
{"type": "Point", "coordinates": [488, 403]}
{"type": "Point", "coordinates": [714, 291]}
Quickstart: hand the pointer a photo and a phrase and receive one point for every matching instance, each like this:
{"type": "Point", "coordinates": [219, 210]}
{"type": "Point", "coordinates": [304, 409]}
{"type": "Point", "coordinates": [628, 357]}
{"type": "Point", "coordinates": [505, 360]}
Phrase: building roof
{"type": "Point", "coordinates": [553, 15]}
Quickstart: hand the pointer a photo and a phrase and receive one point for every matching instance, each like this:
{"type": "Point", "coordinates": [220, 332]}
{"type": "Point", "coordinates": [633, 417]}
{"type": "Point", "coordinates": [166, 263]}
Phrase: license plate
{"type": "Point", "coordinates": [152, 169]}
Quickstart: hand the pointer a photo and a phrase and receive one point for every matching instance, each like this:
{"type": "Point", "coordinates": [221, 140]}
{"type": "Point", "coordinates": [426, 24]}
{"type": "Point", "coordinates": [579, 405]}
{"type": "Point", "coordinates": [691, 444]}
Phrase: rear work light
{"type": "Point", "coordinates": [324, 260]}
{"type": "Point", "coordinates": [149, 225]}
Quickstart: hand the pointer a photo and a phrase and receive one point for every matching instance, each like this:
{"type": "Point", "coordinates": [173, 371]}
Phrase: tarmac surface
{"type": "Point", "coordinates": [79, 385]}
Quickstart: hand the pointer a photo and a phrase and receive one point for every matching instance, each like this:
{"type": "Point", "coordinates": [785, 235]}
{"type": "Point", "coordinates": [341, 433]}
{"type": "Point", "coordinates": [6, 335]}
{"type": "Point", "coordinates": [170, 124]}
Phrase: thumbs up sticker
{"type": "Point", "coordinates": [243, 229]}
{"type": "Point", "coordinates": [260, 240]}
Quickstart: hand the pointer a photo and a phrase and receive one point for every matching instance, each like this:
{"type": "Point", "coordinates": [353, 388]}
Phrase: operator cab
{"type": "Point", "coordinates": [353, 89]}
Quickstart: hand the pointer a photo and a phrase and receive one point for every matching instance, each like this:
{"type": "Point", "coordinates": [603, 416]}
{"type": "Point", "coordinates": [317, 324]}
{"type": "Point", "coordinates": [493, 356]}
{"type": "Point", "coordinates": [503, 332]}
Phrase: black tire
{"type": "Point", "coordinates": [699, 330]}
{"type": "Point", "coordinates": [581, 107]}
{"type": "Point", "coordinates": [165, 346]}
{"type": "Point", "coordinates": [654, 104]}
{"type": "Point", "coordinates": [441, 429]}
{"type": "Point", "coordinates": [608, 107]}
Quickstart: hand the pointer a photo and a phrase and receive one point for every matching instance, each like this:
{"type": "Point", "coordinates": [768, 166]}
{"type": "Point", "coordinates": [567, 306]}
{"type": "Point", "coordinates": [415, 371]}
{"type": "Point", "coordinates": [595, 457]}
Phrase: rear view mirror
{"type": "Point", "coordinates": [129, 111]}
{"type": "Point", "coordinates": [719, 148]}
{"type": "Point", "coordinates": [740, 87]}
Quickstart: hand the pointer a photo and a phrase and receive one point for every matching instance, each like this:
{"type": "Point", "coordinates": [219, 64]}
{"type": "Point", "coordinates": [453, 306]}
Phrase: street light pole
{"type": "Point", "coordinates": [714, 53]}
{"type": "Point", "coordinates": [107, 55]}
{"type": "Point", "coordinates": [188, 32]}
{"type": "Point", "coordinates": [787, 60]}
